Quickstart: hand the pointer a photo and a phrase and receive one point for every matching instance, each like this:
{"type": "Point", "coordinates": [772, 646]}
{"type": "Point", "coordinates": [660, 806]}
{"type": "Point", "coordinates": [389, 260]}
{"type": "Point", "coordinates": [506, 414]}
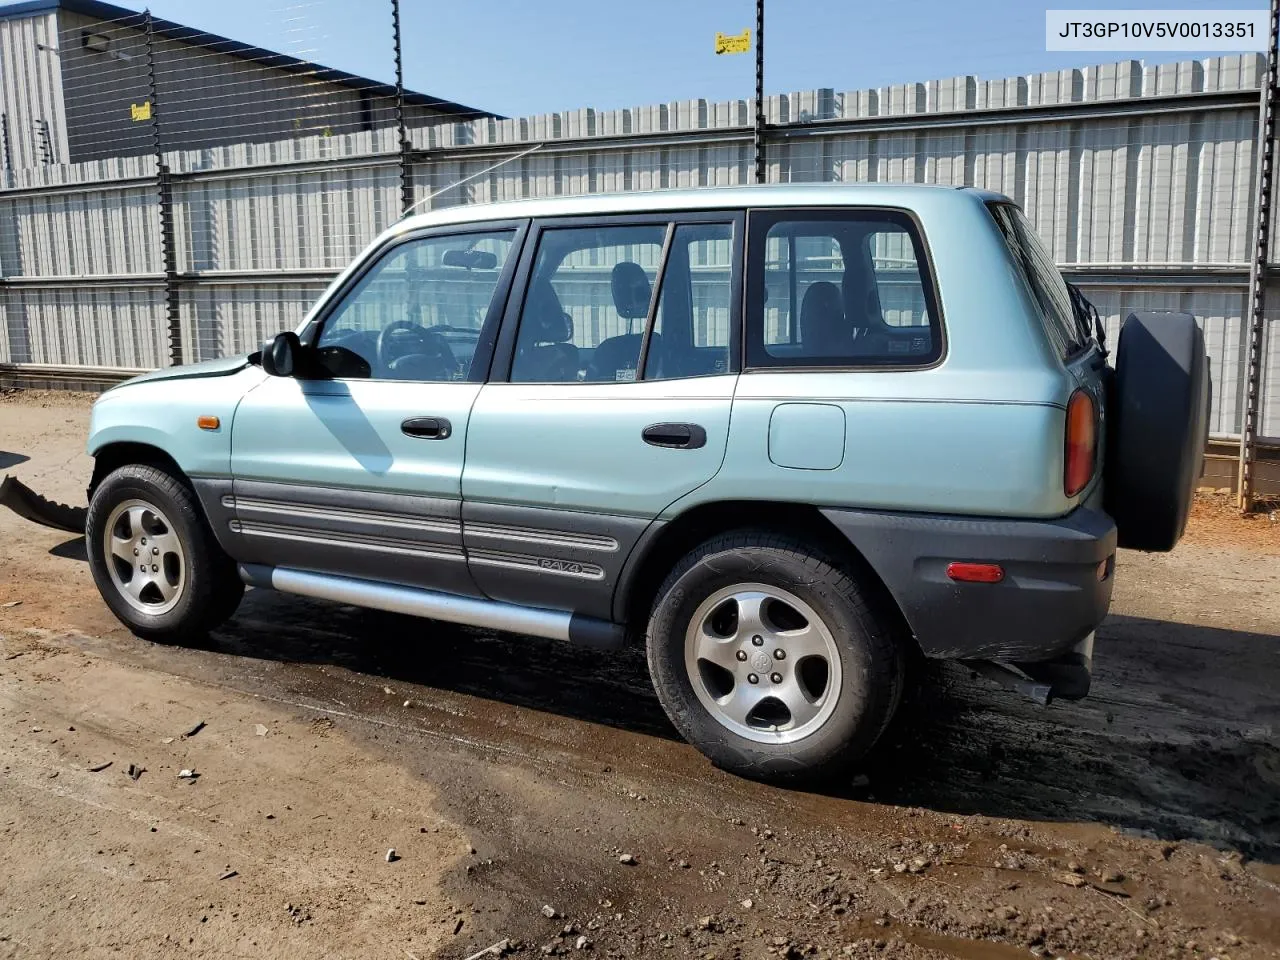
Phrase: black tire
{"type": "Point", "coordinates": [1158, 426]}
{"type": "Point", "coordinates": [871, 659]}
{"type": "Point", "coordinates": [210, 588]}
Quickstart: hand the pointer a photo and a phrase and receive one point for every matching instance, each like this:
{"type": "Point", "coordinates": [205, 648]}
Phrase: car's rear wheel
{"type": "Point", "coordinates": [154, 559]}
{"type": "Point", "coordinates": [769, 658]}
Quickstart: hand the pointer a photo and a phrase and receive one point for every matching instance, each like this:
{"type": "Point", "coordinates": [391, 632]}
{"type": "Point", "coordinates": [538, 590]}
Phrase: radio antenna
{"type": "Point", "coordinates": [478, 173]}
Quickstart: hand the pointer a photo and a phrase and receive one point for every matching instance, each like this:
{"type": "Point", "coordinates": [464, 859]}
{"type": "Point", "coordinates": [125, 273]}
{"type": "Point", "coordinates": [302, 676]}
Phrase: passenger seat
{"type": "Point", "coordinates": [616, 358]}
{"type": "Point", "coordinates": [545, 354]}
{"type": "Point", "coordinates": [824, 331]}
{"type": "Point", "coordinates": [861, 296]}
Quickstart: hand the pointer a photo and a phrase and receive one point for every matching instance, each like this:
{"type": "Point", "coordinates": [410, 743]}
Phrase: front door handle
{"type": "Point", "coordinates": [677, 436]}
{"type": "Point", "coordinates": [427, 428]}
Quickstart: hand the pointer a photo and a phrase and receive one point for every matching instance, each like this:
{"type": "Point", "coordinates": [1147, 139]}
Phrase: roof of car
{"type": "Point", "coordinates": [708, 198]}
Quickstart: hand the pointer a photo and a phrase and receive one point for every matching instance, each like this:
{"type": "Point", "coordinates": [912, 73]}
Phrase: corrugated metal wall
{"type": "Point", "coordinates": [1139, 178]}
{"type": "Point", "coordinates": [30, 93]}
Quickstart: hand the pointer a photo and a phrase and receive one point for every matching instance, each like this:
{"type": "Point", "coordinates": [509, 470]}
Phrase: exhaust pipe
{"type": "Point", "coordinates": [1066, 677]}
{"type": "Point", "coordinates": [1011, 679]}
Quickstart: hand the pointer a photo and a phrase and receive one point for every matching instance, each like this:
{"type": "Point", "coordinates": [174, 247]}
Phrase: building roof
{"type": "Point", "coordinates": [237, 48]}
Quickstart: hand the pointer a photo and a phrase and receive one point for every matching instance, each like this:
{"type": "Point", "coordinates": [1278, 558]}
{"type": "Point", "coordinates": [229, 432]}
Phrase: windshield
{"type": "Point", "coordinates": [1062, 321]}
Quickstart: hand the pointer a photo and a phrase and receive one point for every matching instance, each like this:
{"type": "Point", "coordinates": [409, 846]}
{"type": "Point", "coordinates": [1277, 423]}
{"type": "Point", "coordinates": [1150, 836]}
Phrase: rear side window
{"type": "Point", "coordinates": [616, 303]}
{"type": "Point", "coordinates": [848, 288]}
{"type": "Point", "coordinates": [1040, 275]}
{"type": "Point", "coordinates": [691, 331]}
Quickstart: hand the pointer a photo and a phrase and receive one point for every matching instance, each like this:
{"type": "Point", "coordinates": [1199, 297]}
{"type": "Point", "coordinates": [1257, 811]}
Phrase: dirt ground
{"type": "Point", "coordinates": [1216, 521]}
{"type": "Point", "coordinates": [511, 774]}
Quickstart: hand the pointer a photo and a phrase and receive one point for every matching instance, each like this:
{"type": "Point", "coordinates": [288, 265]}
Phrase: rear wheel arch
{"type": "Point", "coordinates": [663, 546]}
{"type": "Point", "coordinates": [798, 691]}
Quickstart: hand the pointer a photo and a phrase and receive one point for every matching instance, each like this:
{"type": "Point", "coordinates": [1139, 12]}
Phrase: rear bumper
{"type": "Point", "coordinates": [1049, 602]}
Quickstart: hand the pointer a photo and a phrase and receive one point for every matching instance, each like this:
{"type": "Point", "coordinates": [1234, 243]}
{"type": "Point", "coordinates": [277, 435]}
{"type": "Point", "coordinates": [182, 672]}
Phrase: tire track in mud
{"type": "Point", "coordinates": [557, 759]}
{"type": "Point", "coordinates": [1179, 739]}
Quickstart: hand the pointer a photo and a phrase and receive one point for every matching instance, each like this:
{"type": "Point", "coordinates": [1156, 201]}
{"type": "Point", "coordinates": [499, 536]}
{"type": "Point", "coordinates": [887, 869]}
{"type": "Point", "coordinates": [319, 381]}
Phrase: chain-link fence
{"type": "Point", "coordinates": [243, 181]}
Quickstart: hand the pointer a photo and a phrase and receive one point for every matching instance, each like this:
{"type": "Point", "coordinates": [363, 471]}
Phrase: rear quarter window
{"type": "Point", "coordinates": [1040, 276]}
{"type": "Point", "coordinates": [840, 288]}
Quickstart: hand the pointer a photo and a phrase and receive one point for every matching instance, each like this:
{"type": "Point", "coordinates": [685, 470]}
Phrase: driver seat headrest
{"type": "Point", "coordinates": [631, 290]}
{"type": "Point", "coordinates": [549, 323]}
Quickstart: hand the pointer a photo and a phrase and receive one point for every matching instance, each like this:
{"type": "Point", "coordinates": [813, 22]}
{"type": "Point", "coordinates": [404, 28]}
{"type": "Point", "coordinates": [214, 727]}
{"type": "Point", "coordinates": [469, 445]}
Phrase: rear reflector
{"type": "Point", "coordinates": [975, 572]}
{"type": "Point", "coordinates": [1082, 442]}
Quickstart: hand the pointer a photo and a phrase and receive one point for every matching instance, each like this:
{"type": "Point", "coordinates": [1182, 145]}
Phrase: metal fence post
{"type": "Point", "coordinates": [164, 187]}
{"type": "Point", "coordinates": [6, 154]}
{"type": "Point", "coordinates": [406, 177]}
{"type": "Point", "coordinates": [1258, 268]}
{"type": "Point", "coordinates": [757, 133]}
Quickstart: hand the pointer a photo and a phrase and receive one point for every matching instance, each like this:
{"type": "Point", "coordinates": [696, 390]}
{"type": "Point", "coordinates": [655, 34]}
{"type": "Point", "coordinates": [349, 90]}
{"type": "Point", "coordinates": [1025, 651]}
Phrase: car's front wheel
{"type": "Point", "coordinates": [154, 559]}
{"type": "Point", "coordinates": [769, 658]}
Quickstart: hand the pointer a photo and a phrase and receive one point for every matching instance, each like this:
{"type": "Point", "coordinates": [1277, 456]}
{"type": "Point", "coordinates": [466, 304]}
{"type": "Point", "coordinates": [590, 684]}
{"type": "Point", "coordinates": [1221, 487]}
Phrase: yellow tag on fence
{"type": "Point", "coordinates": [140, 111]}
{"type": "Point", "coordinates": [733, 42]}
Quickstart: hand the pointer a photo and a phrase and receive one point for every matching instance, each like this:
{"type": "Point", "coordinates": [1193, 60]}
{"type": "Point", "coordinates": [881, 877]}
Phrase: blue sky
{"type": "Point", "coordinates": [519, 57]}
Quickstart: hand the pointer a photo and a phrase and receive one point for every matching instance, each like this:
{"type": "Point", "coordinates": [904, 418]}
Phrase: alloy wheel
{"type": "Point", "coordinates": [763, 663]}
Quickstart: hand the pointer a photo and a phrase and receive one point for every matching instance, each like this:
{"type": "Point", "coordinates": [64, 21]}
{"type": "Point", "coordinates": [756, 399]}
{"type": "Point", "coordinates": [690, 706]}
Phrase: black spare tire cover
{"type": "Point", "coordinates": [1157, 428]}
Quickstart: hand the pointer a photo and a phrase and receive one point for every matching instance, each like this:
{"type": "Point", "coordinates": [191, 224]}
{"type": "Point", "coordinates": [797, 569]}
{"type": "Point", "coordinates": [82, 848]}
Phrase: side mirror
{"type": "Point", "coordinates": [280, 358]}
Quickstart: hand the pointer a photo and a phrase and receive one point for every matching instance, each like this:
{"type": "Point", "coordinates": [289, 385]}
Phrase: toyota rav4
{"type": "Point", "coordinates": [787, 437]}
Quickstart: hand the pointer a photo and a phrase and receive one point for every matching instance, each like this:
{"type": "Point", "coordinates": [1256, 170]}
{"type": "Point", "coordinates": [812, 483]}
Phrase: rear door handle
{"type": "Point", "coordinates": [677, 436]}
{"type": "Point", "coordinates": [427, 428]}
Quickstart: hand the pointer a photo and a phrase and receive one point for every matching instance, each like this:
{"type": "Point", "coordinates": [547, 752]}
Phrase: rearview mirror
{"type": "Point", "coordinates": [280, 358]}
{"type": "Point", "coordinates": [471, 259]}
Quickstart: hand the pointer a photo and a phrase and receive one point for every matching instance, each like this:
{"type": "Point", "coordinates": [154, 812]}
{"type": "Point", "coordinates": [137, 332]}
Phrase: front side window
{"type": "Point", "coordinates": [840, 289]}
{"type": "Point", "coordinates": [592, 315]}
{"type": "Point", "coordinates": [420, 312]}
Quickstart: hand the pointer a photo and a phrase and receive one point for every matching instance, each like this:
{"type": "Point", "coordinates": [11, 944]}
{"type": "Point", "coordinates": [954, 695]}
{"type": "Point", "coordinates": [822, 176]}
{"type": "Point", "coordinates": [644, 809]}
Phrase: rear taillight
{"type": "Point", "coordinates": [1082, 443]}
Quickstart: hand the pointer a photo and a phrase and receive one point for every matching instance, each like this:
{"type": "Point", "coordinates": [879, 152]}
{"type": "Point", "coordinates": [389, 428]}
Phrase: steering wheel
{"type": "Point", "coordinates": [414, 352]}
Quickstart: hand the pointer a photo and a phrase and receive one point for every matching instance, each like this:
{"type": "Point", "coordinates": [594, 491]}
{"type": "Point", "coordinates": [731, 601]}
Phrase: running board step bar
{"type": "Point", "coordinates": [415, 602]}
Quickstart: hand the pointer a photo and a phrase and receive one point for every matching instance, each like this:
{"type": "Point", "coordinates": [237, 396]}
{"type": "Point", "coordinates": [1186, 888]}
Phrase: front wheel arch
{"type": "Point", "coordinates": [208, 585]}
{"type": "Point", "coordinates": [112, 456]}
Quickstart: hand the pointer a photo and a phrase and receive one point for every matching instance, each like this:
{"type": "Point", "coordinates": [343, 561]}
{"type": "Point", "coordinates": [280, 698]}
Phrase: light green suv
{"type": "Point", "coordinates": [786, 436]}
